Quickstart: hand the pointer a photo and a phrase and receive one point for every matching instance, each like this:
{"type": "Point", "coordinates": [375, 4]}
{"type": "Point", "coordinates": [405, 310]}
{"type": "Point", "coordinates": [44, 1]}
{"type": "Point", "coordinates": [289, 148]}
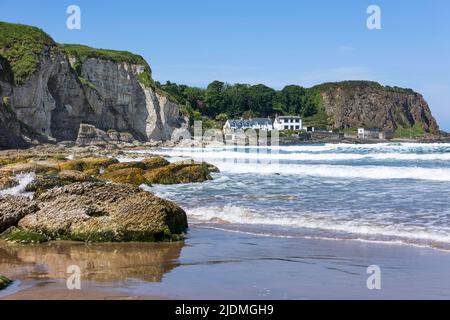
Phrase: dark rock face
{"type": "Point", "coordinates": [10, 127]}
{"type": "Point", "coordinates": [64, 92]}
{"type": "Point", "coordinates": [355, 104]}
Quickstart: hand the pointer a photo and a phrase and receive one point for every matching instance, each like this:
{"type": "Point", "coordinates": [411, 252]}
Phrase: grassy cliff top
{"type": "Point", "coordinates": [84, 53]}
{"type": "Point", "coordinates": [21, 45]}
{"type": "Point", "coordinates": [358, 84]}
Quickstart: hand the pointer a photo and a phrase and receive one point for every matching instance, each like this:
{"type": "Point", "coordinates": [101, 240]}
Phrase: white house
{"type": "Point", "coordinates": [256, 124]}
{"type": "Point", "coordinates": [288, 123]}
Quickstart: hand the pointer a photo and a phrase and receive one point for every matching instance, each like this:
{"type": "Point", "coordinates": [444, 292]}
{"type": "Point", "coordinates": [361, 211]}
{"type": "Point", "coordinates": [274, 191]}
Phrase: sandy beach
{"type": "Point", "coordinates": [215, 264]}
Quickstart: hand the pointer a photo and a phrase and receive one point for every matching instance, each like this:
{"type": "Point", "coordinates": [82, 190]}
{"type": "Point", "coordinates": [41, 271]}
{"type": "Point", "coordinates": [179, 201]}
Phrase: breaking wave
{"type": "Point", "coordinates": [323, 226]}
{"type": "Point", "coordinates": [23, 180]}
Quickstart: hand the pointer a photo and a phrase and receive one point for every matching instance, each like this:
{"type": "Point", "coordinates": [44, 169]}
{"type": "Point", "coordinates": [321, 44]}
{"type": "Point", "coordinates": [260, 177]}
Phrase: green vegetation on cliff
{"type": "Point", "coordinates": [358, 84]}
{"type": "Point", "coordinates": [21, 45]}
{"type": "Point", "coordinates": [409, 132]}
{"type": "Point", "coordinates": [83, 53]}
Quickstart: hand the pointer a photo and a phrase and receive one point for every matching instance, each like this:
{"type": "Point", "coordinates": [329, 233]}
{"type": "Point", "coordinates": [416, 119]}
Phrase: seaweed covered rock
{"type": "Point", "coordinates": [181, 172]}
{"type": "Point", "coordinates": [88, 165]}
{"type": "Point", "coordinates": [4, 282]}
{"type": "Point", "coordinates": [42, 183]}
{"type": "Point", "coordinates": [146, 164]}
{"type": "Point", "coordinates": [134, 176]}
{"type": "Point", "coordinates": [101, 212]}
{"type": "Point", "coordinates": [36, 167]}
{"type": "Point", "coordinates": [13, 208]}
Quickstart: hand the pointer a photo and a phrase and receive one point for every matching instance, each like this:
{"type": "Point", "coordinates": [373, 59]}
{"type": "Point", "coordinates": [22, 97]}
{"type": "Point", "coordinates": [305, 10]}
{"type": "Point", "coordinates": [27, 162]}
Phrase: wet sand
{"type": "Point", "coordinates": [214, 264]}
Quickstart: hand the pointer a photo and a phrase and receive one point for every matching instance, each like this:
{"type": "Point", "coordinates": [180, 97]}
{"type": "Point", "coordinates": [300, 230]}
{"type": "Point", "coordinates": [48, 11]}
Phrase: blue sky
{"type": "Point", "coordinates": [271, 42]}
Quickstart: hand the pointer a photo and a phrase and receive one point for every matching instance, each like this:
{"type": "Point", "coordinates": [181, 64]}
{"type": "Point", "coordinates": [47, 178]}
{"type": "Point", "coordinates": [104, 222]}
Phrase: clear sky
{"type": "Point", "coordinates": [259, 41]}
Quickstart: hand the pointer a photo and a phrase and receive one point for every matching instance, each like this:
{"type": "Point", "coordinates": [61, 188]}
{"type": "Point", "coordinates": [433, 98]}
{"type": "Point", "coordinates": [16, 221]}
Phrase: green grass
{"type": "Point", "coordinates": [87, 83]}
{"type": "Point", "coordinates": [353, 84]}
{"type": "Point", "coordinates": [415, 131]}
{"type": "Point", "coordinates": [351, 131]}
{"type": "Point", "coordinates": [24, 236]}
{"type": "Point", "coordinates": [83, 53]}
{"type": "Point", "coordinates": [21, 45]}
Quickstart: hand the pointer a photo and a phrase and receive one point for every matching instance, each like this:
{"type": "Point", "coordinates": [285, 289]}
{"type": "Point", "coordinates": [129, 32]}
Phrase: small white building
{"type": "Point", "coordinates": [364, 133]}
{"type": "Point", "coordinates": [288, 123]}
{"type": "Point", "coordinates": [256, 124]}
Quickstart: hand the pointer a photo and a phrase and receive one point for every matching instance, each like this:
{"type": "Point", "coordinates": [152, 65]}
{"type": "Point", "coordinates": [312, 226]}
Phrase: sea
{"type": "Point", "coordinates": [392, 193]}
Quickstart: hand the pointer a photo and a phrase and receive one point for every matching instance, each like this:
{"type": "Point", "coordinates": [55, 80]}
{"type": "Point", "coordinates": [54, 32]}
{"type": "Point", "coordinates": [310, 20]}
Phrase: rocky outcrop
{"type": "Point", "coordinates": [101, 212]}
{"type": "Point", "coordinates": [91, 199]}
{"type": "Point", "coordinates": [353, 104]}
{"type": "Point", "coordinates": [12, 209]}
{"type": "Point", "coordinates": [74, 85]}
{"type": "Point", "coordinates": [89, 135]}
{"type": "Point", "coordinates": [4, 282]}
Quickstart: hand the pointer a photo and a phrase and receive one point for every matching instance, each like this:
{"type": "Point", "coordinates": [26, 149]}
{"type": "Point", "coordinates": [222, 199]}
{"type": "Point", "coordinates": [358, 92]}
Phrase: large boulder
{"type": "Point", "coordinates": [12, 209]}
{"type": "Point", "coordinates": [101, 212]}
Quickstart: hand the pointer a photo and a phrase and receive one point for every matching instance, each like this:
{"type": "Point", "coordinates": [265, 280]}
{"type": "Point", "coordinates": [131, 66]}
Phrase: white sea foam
{"type": "Point", "coordinates": [245, 216]}
{"type": "Point", "coordinates": [395, 147]}
{"type": "Point", "coordinates": [218, 155]}
{"type": "Point", "coordinates": [339, 171]}
{"type": "Point", "coordinates": [23, 180]}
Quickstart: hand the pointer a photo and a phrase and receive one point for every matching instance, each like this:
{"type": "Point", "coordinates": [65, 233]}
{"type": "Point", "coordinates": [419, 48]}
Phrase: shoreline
{"type": "Point", "coordinates": [215, 264]}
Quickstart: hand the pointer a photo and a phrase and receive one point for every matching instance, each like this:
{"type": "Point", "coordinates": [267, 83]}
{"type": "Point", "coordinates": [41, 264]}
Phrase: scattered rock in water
{"type": "Point", "coordinates": [13, 208]}
{"type": "Point", "coordinates": [101, 212]}
{"type": "Point", "coordinates": [4, 282]}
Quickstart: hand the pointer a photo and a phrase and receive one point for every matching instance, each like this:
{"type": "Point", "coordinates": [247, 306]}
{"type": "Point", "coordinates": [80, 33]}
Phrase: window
{"type": "Point", "coordinates": [297, 120]}
{"type": "Point", "coordinates": [297, 127]}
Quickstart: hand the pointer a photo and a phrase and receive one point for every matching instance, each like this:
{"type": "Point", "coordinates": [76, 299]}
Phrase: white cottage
{"type": "Point", "coordinates": [288, 123]}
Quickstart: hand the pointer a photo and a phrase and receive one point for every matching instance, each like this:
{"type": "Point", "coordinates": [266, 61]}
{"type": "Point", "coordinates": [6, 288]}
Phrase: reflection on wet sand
{"type": "Point", "coordinates": [98, 262]}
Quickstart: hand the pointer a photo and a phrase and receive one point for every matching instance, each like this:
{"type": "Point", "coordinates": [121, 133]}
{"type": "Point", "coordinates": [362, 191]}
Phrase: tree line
{"type": "Point", "coordinates": [221, 101]}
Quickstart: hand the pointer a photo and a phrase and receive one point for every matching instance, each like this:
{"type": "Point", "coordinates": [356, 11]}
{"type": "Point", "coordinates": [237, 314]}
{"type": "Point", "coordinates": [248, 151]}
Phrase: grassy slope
{"type": "Point", "coordinates": [21, 45]}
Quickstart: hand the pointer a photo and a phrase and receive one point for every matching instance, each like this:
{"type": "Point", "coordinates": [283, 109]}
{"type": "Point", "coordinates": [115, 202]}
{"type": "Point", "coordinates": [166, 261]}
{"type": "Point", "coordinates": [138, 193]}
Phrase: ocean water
{"type": "Point", "coordinates": [397, 194]}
